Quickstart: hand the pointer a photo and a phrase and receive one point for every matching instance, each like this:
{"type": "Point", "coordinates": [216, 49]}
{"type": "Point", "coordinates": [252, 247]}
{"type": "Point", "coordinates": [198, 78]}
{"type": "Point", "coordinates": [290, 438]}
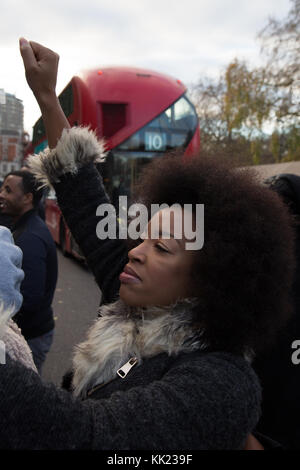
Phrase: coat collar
{"type": "Point", "coordinates": [122, 332]}
{"type": "Point", "coordinates": [23, 219]}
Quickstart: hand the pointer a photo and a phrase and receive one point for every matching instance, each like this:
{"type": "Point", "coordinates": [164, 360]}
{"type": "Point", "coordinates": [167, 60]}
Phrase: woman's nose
{"type": "Point", "coordinates": [138, 253]}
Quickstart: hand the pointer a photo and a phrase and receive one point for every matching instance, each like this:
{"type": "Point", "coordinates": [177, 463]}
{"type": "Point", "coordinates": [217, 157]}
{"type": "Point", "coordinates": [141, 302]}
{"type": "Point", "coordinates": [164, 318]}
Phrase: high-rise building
{"type": "Point", "coordinates": [11, 133]}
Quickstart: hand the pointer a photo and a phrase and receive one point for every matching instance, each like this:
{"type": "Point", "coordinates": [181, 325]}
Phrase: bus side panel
{"type": "Point", "coordinates": [52, 216]}
{"type": "Point", "coordinates": [194, 145]}
{"type": "Point", "coordinates": [87, 107]}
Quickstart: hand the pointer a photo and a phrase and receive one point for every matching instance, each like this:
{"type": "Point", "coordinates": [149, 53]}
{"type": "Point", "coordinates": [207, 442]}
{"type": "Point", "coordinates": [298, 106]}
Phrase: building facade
{"type": "Point", "coordinates": [11, 133]}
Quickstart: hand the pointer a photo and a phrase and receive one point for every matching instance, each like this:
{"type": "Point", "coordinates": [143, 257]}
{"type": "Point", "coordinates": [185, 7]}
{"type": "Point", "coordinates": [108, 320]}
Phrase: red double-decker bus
{"type": "Point", "coordinates": [141, 114]}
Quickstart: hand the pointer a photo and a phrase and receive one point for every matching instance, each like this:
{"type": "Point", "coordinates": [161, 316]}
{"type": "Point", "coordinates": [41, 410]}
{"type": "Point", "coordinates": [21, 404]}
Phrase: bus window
{"type": "Point", "coordinates": [38, 131]}
{"type": "Point", "coordinates": [113, 117]}
{"type": "Point", "coordinates": [173, 128]}
{"type": "Point", "coordinates": [66, 100]}
{"type": "Point", "coordinates": [122, 171]}
{"type": "Point", "coordinates": [38, 139]}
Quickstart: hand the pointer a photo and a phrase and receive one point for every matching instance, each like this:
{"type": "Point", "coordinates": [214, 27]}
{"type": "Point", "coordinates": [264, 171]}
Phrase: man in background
{"type": "Point", "coordinates": [19, 199]}
{"type": "Point", "coordinates": [5, 219]}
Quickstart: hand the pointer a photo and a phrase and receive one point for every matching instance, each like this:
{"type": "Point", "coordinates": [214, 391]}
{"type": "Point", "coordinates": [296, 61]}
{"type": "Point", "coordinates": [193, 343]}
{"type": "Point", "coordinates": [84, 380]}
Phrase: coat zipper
{"type": "Point", "coordinates": [123, 371]}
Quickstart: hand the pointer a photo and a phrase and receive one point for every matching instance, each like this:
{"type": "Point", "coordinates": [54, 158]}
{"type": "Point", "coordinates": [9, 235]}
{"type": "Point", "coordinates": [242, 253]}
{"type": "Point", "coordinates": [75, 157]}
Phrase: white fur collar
{"type": "Point", "coordinates": [122, 332]}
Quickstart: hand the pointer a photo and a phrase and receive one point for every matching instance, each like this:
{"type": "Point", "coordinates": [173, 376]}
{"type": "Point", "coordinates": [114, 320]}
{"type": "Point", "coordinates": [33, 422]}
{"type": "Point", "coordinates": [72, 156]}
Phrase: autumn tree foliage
{"type": "Point", "coordinates": [281, 46]}
{"type": "Point", "coordinates": [238, 109]}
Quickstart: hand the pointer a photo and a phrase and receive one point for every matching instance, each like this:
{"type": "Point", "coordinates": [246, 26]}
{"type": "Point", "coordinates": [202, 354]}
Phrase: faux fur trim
{"type": "Point", "coordinates": [76, 147]}
{"type": "Point", "coordinates": [12, 341]}
{"type": "Point", "coordinates": [5, 316]}
{"type": "Point", "coordinates": [121, 333]}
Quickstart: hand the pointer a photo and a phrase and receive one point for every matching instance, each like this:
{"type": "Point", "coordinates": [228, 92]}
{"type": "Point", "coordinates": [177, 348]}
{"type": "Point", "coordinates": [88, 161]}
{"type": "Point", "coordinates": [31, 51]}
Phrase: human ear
{"type": "Point", "coordinates": [28, 198]}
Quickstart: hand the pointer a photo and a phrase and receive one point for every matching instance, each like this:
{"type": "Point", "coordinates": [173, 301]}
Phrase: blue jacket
{"type": "Point", "coordinates": [31, 234]}
{"type": "Point", "coordinates": [11, 274]}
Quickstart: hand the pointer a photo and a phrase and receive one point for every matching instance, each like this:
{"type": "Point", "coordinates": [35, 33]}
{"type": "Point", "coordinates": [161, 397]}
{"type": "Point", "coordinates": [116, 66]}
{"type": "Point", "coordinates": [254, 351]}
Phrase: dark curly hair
{"type": "Point", "coordinates": [29, 185]}
{"type": "Point", "coordinates": [243, 273]}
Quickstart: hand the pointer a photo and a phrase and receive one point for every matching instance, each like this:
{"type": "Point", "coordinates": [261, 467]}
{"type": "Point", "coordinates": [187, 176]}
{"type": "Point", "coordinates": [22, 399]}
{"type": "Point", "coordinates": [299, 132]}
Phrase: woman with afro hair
{"type": "Point", "coordinates": [167, 364]}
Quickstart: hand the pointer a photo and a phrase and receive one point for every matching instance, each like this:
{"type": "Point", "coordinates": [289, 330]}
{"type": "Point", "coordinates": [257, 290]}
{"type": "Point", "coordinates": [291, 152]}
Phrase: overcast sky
{"type": "Point", "coordinates": [186, 39]}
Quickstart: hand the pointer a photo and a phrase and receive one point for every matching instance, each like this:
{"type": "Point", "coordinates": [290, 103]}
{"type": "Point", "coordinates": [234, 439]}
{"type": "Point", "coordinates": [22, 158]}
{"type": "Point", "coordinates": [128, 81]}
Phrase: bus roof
{"type": "Point", "coordinates": [144, 93]}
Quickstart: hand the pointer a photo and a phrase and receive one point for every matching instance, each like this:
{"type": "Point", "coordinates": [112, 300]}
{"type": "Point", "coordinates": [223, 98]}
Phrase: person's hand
{"type": "Point", "coordinates": [41, 65]}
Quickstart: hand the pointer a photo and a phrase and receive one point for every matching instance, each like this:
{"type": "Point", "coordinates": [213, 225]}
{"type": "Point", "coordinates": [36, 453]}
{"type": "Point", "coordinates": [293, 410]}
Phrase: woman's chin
{"type": "Point", "coordinates": [129, 298]}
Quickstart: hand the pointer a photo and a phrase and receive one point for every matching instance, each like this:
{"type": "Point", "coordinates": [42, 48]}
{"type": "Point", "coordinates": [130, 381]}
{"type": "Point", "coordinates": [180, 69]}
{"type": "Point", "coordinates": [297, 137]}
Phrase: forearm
{"type": "Point", "coordinates": [78, 197]}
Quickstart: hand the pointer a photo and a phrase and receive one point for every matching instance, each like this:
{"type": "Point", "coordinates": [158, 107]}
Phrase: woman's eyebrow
{"type": "Point", "coordinates": [168, 236]}
{"type": "Point", "coordinates": [160, 234]}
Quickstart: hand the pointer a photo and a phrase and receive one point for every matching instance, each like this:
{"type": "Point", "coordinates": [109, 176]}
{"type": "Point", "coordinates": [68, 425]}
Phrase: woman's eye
{"type": "Point", "coordinates": [161, 248]}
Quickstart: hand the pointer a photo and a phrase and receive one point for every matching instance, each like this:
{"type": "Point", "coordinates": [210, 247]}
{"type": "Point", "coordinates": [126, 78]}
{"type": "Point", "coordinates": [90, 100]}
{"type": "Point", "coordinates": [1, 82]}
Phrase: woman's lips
{"type": "Point", "coordinates": [129, 276]}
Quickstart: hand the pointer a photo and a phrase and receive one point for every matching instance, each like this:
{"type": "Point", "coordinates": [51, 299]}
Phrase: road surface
{"type": "Point", "coordinates": [75, 305]}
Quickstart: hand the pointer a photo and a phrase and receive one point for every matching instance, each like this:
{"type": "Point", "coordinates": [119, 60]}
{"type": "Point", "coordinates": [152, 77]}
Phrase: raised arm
{"type": "Point", "coordinates": [69, 167]}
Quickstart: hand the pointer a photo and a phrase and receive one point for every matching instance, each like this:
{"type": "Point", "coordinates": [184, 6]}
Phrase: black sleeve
{"type": "Point", "coordinates": [79, 196]}
{"type": "Point", "coordinates": [34, 415]}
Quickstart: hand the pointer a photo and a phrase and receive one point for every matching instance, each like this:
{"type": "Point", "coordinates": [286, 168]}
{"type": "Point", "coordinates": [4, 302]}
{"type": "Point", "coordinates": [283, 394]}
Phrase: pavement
{"type": "Point", "coordinates": [76, 301]}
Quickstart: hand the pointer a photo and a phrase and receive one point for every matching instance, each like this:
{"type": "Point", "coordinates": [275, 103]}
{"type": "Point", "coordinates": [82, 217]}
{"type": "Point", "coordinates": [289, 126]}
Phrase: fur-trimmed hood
{"type": "Point", "coordinates": [121, 333]}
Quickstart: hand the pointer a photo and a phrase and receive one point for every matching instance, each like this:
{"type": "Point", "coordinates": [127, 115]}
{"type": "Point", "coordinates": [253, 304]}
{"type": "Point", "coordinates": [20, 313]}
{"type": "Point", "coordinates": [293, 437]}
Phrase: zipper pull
{"type": "Point", "coordinates": [123, 371]}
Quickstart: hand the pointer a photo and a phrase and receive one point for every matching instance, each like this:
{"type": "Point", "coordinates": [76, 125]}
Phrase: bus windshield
{"type": "Point", "coordinates": [173, 128]}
